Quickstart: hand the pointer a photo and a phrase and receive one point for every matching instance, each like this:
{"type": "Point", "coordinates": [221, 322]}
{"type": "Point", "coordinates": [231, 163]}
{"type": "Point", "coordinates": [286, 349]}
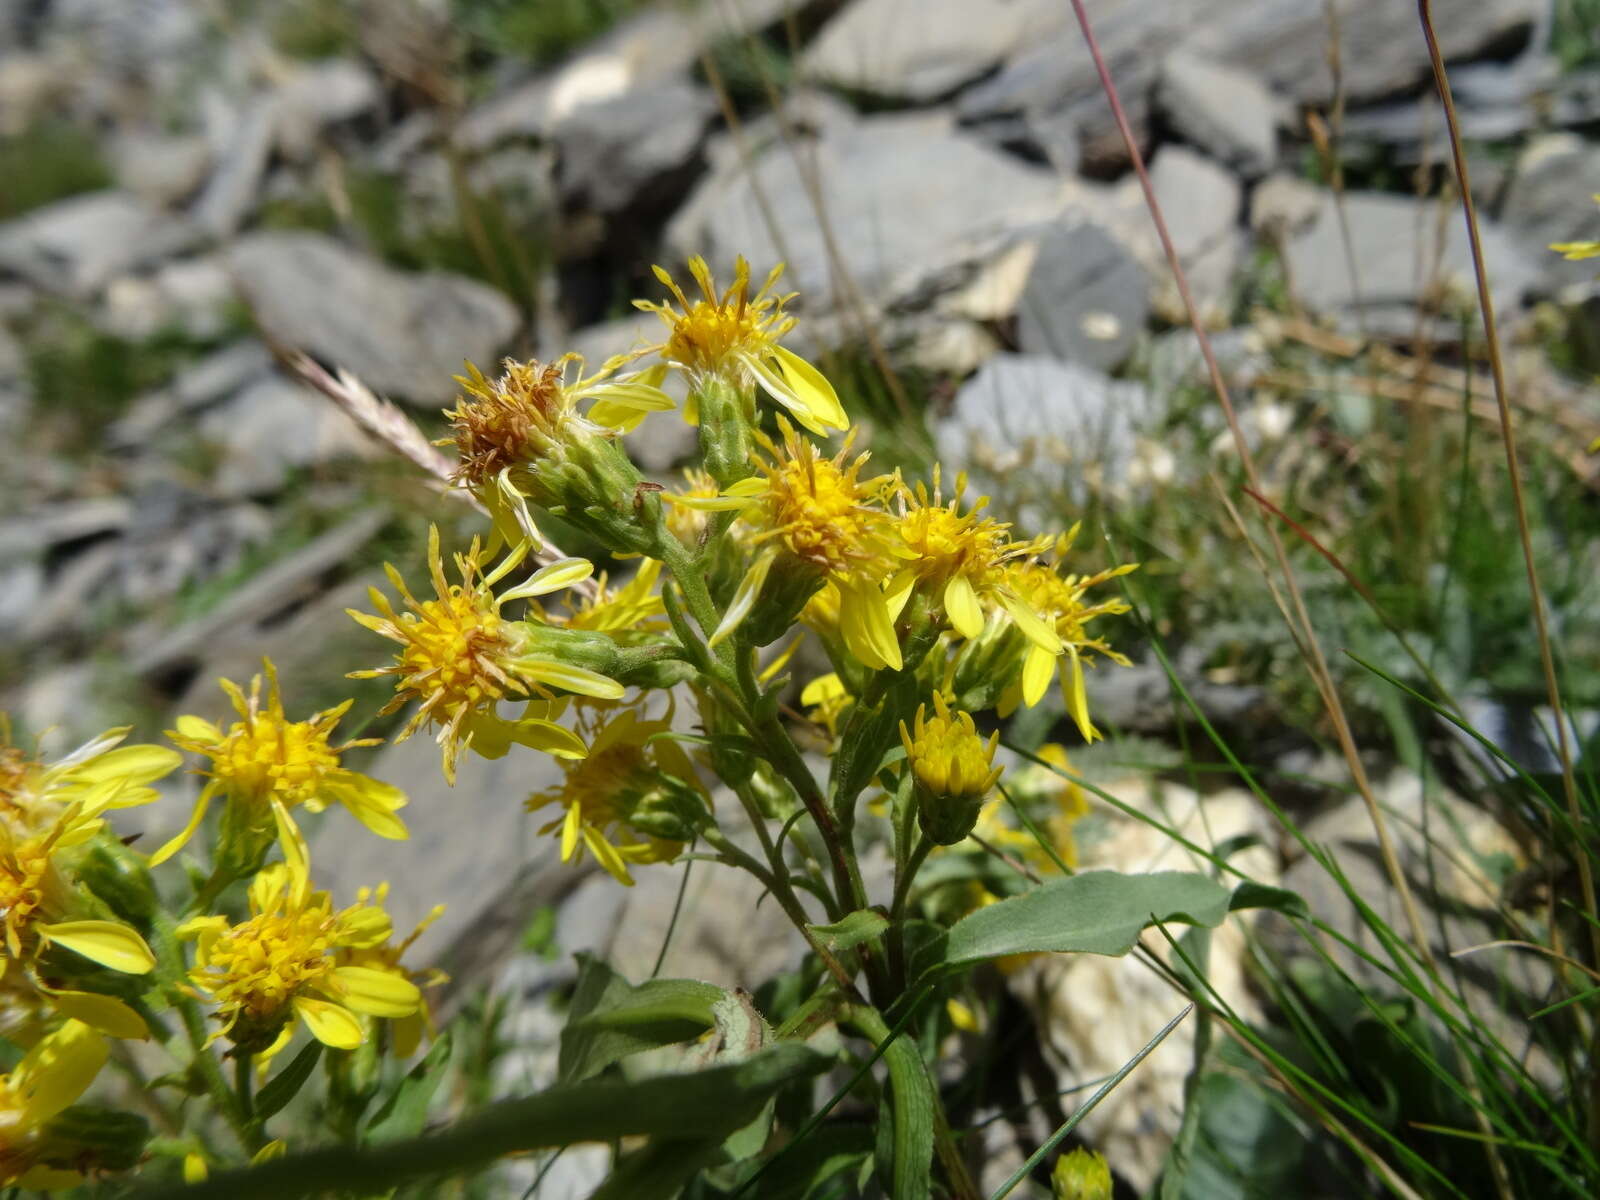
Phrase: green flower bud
{"type": "Point", "coordinates": [727, 428]}
{"type": "Point", "coordinates": [1081, 1175]}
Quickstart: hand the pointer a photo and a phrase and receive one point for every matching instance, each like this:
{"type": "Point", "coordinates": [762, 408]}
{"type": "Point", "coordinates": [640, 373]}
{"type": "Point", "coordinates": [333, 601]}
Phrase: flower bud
{"type": "Point", "coordinates": [953, 770]}
{"type": "Point", "coordinates": [1081, 1175]}
{"type": "Point", "coordinates": [727, 427]}
{"type": "Point", "coordinates": [120, 878]}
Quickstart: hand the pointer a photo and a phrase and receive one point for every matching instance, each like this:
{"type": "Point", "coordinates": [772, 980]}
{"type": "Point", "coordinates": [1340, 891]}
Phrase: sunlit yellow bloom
{"type": "Point", "coordinates": [408, 1030]}
{"type": "Point", "coordinates": [814, 520]}
{"type": "Point", "coordinates": [633, 800]}
{"type": "Point", "coordinates": [1081, 1175]}
{"type": "Point", "coordinates": [516, 434]}
{"type": "Point", "coordinates": [947, 754]}
{"type": "Point", "coordinates": [41, 902]}
{"type": "Point", "coordinates": [265, 759]}
{"type": "Point", "coordinates": [634, 607]}
{"type": "Point", "coordinates": [827, 698]}
{"type": "Point", "coordinates": [686, 512]}
{"type": "Point", "coordinates": [1059, 600]}
{"type": "Point", "coordinates": [734, 336]}
{"type": "Point", "coordinates": [50, 1077]}
{"type": "Point", "coordinates": [459, 657]}
{"type": "Point", "coordinates": [113, 776]}
{"type": "Point", "coordinates": [282, 964]}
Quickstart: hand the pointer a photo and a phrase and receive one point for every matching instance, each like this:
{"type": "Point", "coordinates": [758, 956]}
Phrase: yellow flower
{"type": "Point", "coordinates": [50, 1077]}
{"type": "Point", "coordinates": [407, 1030]}
{"type": "Point", "coordinates": [686, 510]}
{"type": "Point", "coordinates": [1081, 1175]}
{"type": "Point", "coordinates": [959, 560]}
{"type": "Point", "coordinates": [110, 774]}
{"type": "Point", "coordinates": [282, 964]}
{"type": "Point", "coordinates": [734, 337]}
{"type": "Point", "coordinates": [265, 759]}
{"type": "Point", "coordinates": [1064, 805]}
{"type": "Point", "coordinates": [632, 608]}
{"type": "Point", "coordinates": [814, 521]}
{"type": "Point", "coordinates": [459, 657]}
{"type": "Point", "coordinates": [521, 438]}
{"type": "Point", "coordinates": [953, 767]}
{"type": "Point", "coordinates": [1058, 599]}
{"type": "Point", "coordinates": [634, 799]}
{"type": "Point", "coordinates": [827, 698]}
{"type": "Point", "coordinates": [42, 904]}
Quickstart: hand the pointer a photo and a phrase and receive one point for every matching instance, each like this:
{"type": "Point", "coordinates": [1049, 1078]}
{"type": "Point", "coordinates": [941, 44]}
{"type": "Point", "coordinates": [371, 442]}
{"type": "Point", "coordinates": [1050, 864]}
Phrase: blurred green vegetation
{"type": "Point", "coordinates": [48, 160]}
{"type": "Point", "coordinates": [538, 32]}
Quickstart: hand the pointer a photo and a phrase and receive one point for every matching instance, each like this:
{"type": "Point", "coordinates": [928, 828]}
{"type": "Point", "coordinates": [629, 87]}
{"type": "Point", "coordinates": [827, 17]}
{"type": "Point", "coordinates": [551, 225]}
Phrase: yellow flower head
{"type": "Point", "coordinates": [1081, 1175]}
{"type": "Point", "coordinates": [520, 437]}
{"type": "Point", "coordinates": [102, 771]}
{"type": "Point", "coordinates": [1059, 600]}
{"type": "Point", "coordinates": [686, 514]}
{"type": "Point", "coordinates": [459, 657]}
{"type": "Point", "coordinates": [1040, 789]}
{"type": "Point", "coordinates": [50, 1077]}
{"type": "Point", "coordinates": [948, 755]}
{"type": "Point", "coordinates": [282, 964]}
{"type": "Point", "coordinates": [953, 768]}
{"type": "Point", "coordinates": [42, 903]}
{"type": "Point", "coordinates": [827, 699]}
{"type": "Point", "coordinates": [634, 799]}
{"type": "Point", "coordinates": [264, 760]}
{"type": "Point", "coordinates": [734, 336]}
{"type": "Point", "coordinates": [959, 559]}
{"type": "Point", "coordinates": [635, 607]}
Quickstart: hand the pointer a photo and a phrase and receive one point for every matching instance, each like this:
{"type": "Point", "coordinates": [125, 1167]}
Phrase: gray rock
{"type": "Point", "coordinates": [1201, 202]}
{"type": "Point", "coordinates": [78, 245]}
{"type": "Point", "coordinates": [1228, 113]}
{"type": "Point", "coordinates": [619, 151]}
{"type": "Point", "coordinates": [401, 333]}
{"type": "Point", "coordinates": [882, 47]}
{"type": "Point", "coordinates": [67, 605]}
{"type": "Point", "coordinates": [1045, 428]}
{"type": "Point", "coordinates": [234, 188]}
{"type": "Point", "coordinates": [22, 585]}
{"type": "Point", "coordinates": [319, 95]}
{"type": "Point", "coordinates": [57, 524]}
{"type": "Point", "coordinates": [160, 168]}
{"type": "Point", "coordinates": [1284, 204]}
{"type": "Point", "coordinates": [218, 374]}
{"type": "Point", "coordinates": [1086, 301]}
{"type": "Point", "coordinates": [193, 296]}
{"type": "Point", "coordinates": [273, 427]}
{"type": "Point", "coordinates": [1385, 233]}
{"type": "Point", "coordinates": [908, 200]}
{"type": "Point", "coordinates": [1551, 199]}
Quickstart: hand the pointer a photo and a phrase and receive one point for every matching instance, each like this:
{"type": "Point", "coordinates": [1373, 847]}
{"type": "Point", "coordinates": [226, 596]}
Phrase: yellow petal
{"type": "Point", "coordinates": [373, 804]}
{"type": "Point", "coordinates": [1033, 626]}
{"type": "Point", "coordinates": [962, 607]}
{"type": "Point", "coordinates": [813, 388]}
{"type": "Point", "coordinates": [781, 390]}
{"type": "Point", "coordinates": [276, 1148]}
{"type": "Point", "coordinates": [1037, 668]}
{"type": "Point", "coordinates": [134, 764]}
{"type": "Point", "coordinates": [1076, 696]}
{"type": "Point", "coordinates": [295, 854]}
{"type": "Point", "coordinates": [57, 1071]}
{"type": "Point", "coordinates": [570, 828]}
{"type": "Point", "coordinates": [569, 678]}
{"type": "Point", "coordinates": [551, 738]}
{"type": "Point", "coordinates": [170, 848]}
{"type": "Point", "coordinates": [867, 627]}
{"type": "Point", "coordinates": [822, 689]}
{"type": "Point", "coordinates": [606, 855]}
{"type": "Point", "coordinates": [194, 1168]}
{"type": "Point", "coordinates": [552, 578]}
{"type": "Point", "coordinates": [105, 942]}
{"type": "Point", "coordinates": [104, 1013]}
{"type": "Point", "coordinates": [329, 1023]}
{"type": "Point", "coordinates": [744, 599]}
{"type": "Point", "coordinates": [377, 993]}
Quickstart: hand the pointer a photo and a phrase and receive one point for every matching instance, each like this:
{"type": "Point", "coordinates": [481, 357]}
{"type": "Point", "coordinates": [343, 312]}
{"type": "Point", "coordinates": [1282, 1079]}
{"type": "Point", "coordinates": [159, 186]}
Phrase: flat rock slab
{"type": "Point", "coordinates": [1393, 239]}
{"type": "Point", "coordinates": [403, 334]}
{"type": "Point", "coordinates": [923, 50]}
{"type": "Point", "coordinates": [77, 246]}
{"type": "Point", "coordinates": [905, 199]}
{"type": "Point", "coordinates": [1086, 300]}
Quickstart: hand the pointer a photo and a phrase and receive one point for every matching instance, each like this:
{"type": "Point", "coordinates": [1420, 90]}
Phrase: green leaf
{"type": "Point", "coordinates": [1095, 912]}
{"type": "Point", "coordinates": [1251, 894]}
{"type": "Point", "coordinates": [912, 1112]}
{"type": "Point", "coordinates": [825, 1153]}
{"type": "Point", "coordinates": [611, 1019]}
{"type": "Point", "coordinates": [286, 1084]}
{"type": "Point", "coordinates": [660, 1170]}
{"type": "Point", "coordinates": [850, 931]}
{"type": "Point", "coordinates": [406, 1110]}
{"type": "Point", "coordinates": [698, 1106]}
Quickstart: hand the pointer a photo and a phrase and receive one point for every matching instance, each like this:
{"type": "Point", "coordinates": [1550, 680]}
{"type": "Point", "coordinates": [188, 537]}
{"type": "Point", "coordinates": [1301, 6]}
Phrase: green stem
{"type": "Point", "coordinates": [244, 1085]}
{"type": "Point", "coordinates": [897, 911]}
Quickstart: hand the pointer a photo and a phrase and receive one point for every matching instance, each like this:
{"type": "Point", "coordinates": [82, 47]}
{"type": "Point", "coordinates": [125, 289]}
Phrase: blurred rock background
{"type": "Point", "coordinates": [397, 185]}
